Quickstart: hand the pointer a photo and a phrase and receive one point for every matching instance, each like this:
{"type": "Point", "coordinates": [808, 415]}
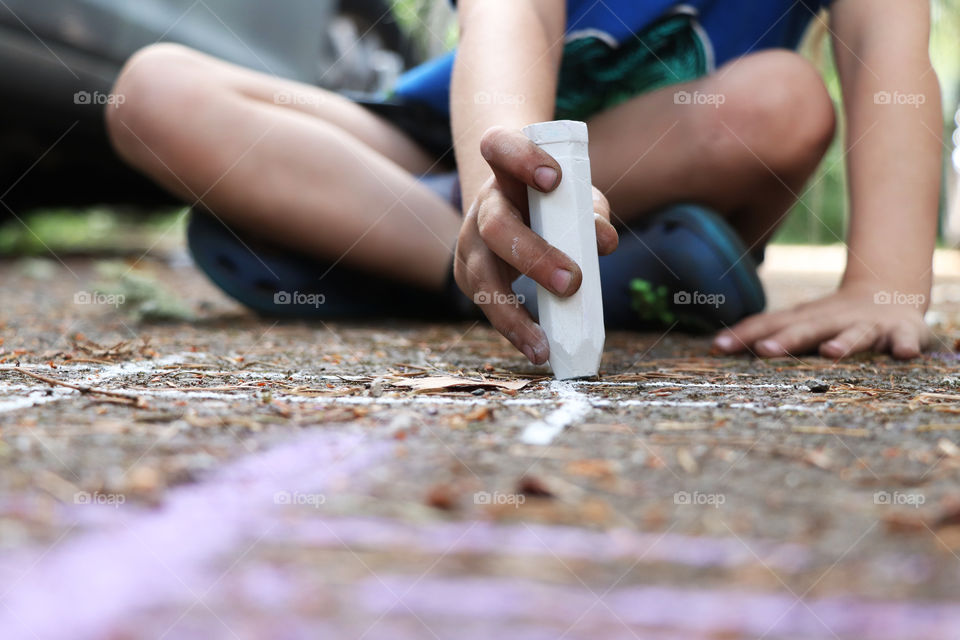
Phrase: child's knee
{"type": "Point", "coordinates": [777, 107]}
{"type": "Point", "coordinates": [155, 89]}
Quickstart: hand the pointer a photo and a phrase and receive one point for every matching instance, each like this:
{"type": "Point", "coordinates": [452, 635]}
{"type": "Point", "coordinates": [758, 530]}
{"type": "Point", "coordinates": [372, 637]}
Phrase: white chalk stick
{"type": "Point", "coordinates": [565, 219]}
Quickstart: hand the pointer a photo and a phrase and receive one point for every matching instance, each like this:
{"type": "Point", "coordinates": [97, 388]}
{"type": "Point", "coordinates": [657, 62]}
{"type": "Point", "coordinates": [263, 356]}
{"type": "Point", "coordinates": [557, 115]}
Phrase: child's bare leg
{"type": "Point", "coordinates": [310, 170]}
{"type": "Point", "coordinates": [762, 128]}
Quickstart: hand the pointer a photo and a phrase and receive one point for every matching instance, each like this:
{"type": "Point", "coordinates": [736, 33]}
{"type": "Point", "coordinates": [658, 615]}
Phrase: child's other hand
{"type": "Point", "coordinates": [857, 318]}
{"type": "Point", "coordinates": [496, 243]}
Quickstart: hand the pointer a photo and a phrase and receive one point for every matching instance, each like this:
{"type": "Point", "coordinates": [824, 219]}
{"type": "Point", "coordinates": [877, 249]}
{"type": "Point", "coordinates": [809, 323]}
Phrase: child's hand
{"type": "Point", "coordinates": [496, 244]}
{"type": "Point", "coordinates": [857, 318]}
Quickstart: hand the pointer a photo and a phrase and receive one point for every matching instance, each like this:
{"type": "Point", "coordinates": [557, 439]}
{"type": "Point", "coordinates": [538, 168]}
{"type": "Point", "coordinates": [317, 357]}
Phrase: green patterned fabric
{"type": "Point", "coordinates": [655, 313]}
{"type": "Point", "coordinates": [595, 76]}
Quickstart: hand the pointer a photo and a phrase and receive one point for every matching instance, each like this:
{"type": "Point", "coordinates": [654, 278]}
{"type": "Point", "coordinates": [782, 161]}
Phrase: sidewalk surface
{"type": "Point", "coordinates": [238, 477]}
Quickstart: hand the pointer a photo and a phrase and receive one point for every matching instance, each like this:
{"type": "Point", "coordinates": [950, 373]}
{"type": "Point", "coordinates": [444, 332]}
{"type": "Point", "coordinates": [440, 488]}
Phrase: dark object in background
{"type": "Point", "coordinates": [60, 58]}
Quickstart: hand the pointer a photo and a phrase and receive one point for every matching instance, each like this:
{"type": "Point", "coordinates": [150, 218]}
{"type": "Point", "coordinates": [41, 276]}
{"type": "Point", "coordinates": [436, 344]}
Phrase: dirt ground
{"type": "Point", "coordinates": [236, 477]}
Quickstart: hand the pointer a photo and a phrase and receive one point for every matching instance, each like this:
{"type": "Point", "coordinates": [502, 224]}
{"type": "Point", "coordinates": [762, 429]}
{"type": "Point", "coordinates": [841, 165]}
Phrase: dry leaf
{"type": "Point", "coordinates": [686, 460]}
{"type": "Point", "coordinates": [938, 427]}
{"type": "Point", "coordinates": [431, 384]}
{"type": "Point", "coordinates": [591, 468]}
{"type": "Point", "coordinates": [899, 522]}
{"type": "Point", "coordinates": [442, 497]}
{"type": "Point", "coordinates": [948, 448]}
{"type": "Point", "coordinates": [533, 487]}
{"type": "Point", "coordinates": [672, 425]}
{"type": "Point", "coordinates": [820, 459]}
{"type": "Point", "coordinates": [832, 431]}
{"type": "Point", "coordinates": [948, 539]}
{"type": "Point", "coordinates": [949, 516]}
{"type": "Point", "coordinates": [479, 414]}
{"type": "Point", "coordinates": [551, 453]}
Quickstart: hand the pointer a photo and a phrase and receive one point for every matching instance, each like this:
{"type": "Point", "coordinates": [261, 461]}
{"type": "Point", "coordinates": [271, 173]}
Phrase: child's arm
{"type": "Point", "coordinates": [505, 75]}
{"type": "Point", "coordinates": [892, 103]}
{"type": "Point", "coordinates": [504, 78]}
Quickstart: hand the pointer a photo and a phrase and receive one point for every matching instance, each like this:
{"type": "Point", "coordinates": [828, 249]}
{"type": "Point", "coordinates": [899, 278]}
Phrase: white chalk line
{"type": "Point", "coordinates": [42, 397]}
{"type": "Point", "coordinates": [594, 402]}
{"type": "Point", "coordinates": [468, 402]}
{"type": "Point", "coordinates": [33, 399]}
{"type": "Point", "coordinates": [144, 366]}
{"type": "Point", "coordinates": [573, 402]}
{"type": "Point", "coordinates": [699, 385]}
{"type": "Point", "coordinates": [112, 370]}
{"type": "Point", "coordinates": [39, 395]}
{"type": "Point", "coordinates": [574, 407]}
{"type": "Point", "coordinates": [364, 379]}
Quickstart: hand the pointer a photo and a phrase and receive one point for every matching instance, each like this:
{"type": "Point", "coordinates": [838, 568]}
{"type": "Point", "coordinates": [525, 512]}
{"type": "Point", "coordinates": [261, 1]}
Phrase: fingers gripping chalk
{"type": "Point", "coordinates": [564, 218]}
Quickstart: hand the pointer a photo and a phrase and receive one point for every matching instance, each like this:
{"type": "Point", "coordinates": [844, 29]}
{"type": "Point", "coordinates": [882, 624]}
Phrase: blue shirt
{"type": "Point", "coordinates": [727, 29]}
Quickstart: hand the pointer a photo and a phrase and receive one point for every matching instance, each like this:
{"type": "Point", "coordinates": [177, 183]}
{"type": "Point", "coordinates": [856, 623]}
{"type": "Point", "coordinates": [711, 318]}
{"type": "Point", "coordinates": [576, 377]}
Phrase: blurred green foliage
{"type": "Point", "coordinates": [97, 230]}
{"type": "Point", "coordinates": [820, 215]}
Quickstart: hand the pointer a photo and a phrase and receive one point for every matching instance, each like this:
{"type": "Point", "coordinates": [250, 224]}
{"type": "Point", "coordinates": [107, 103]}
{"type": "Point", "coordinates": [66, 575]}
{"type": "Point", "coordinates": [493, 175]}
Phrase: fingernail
{"type": "Point", "coordinates": [539, 346]}
{"type": "Point", "coordinates": [772, 347]}
{"type": "Point", "coordinates": [546, 177]}
{"type": "Point", "coordinates": [528, 351]}
{"type": "Point", "coordinates": [724, 342]}
{"type": "Point", "coordinates": [560, 281]}
{"type": "Point", "coordinates": [833, 345]}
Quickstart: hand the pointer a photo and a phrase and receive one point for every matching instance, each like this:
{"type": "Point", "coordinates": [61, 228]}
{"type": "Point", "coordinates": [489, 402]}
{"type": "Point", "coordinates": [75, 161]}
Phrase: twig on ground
{"type": "Point", "coordinates": [134, 401]}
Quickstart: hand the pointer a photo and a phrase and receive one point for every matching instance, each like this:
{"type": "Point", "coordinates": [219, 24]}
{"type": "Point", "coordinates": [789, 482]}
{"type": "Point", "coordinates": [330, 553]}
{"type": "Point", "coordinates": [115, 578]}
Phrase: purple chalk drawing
{"type": "Point", "coordinates": [129, 566]}
{"type": "Point", "coordinates": [546, 540]}
{"type": "Point", "coordinates": [623, 611]}
{"type": "Point", "coordinates": [79, 587]}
